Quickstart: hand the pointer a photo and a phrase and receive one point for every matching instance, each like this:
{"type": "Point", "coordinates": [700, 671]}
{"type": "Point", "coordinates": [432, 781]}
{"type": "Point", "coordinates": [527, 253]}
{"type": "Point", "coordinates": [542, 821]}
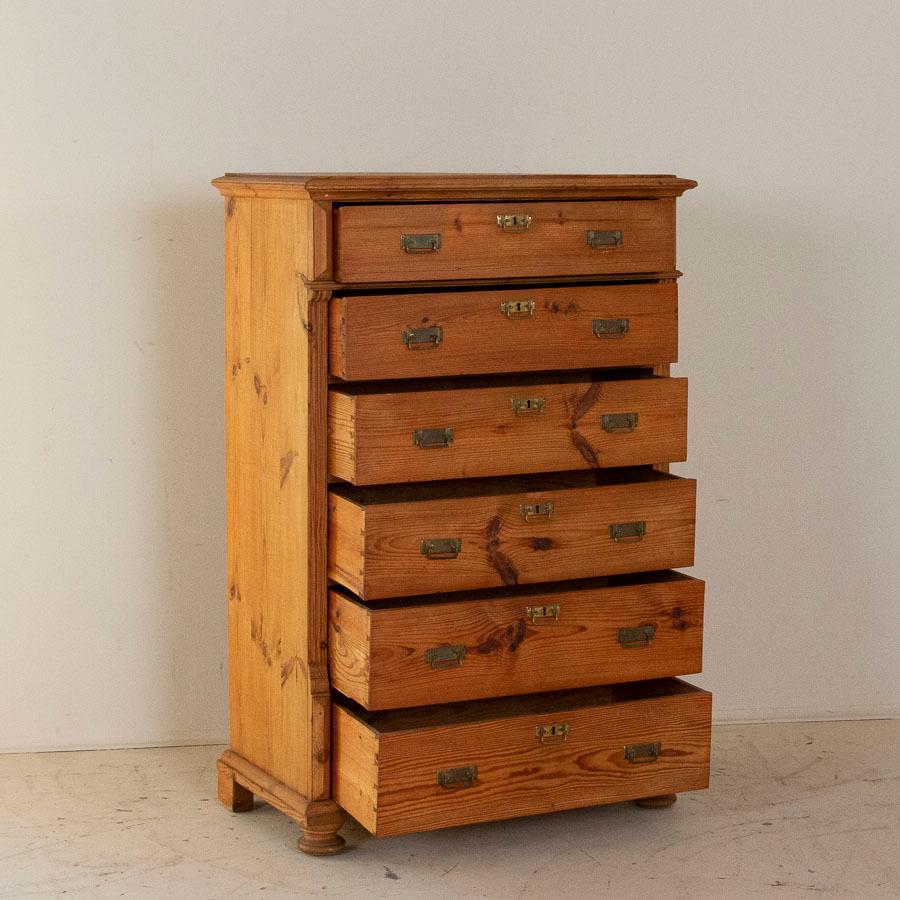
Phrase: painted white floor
{"type": "Point", "coordinates": [793, 811]}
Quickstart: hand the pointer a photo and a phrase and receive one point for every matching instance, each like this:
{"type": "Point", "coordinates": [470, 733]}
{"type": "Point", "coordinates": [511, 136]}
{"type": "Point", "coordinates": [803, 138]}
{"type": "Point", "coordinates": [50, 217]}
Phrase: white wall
{"type": "Point", "coordinates": [115, 115]}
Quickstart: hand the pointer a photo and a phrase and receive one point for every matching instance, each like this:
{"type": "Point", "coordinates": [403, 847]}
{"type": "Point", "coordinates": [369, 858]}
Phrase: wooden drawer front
{"type": "Point", "coordinates": [476, 332]}
{"type": "Point", "coordinates": [630, 236]}
{"type": "Point", "coordinates": [379, 539]}
{"type": "Point", "coordinates": [385, 438]}
{"type": "Point", "coordinates": [623, 629]}
{"type": "Point", "coordinates": [415, 770]}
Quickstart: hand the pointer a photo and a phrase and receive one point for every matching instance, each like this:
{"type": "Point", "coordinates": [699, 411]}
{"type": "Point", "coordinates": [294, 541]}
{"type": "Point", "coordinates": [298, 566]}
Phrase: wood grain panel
{"type": "Point", "coordinates": [366, 331]}
{"type": "Point", "coordinates": [384, 558]}
{"type": "Point", "coordinates": [516, 774]}
{"type": "Point", "coordinates": [377, 653]}
{"type": "Point", "coordinates": [368, 249]}
{"type": "Point", "coordinates": [275, 389]}
{"type": "Point", "coordinates": [371, 434]}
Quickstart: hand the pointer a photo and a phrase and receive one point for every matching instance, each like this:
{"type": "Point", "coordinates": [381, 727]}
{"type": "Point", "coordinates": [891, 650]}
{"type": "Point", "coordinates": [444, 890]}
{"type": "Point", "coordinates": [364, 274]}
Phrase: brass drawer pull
{"type": "Point", "coordinates": [553, 734]}
{"type": "Point", "coordinates": [636, 637]}
{"type": "Point", "coordinates": [518, 223]}
{"type": "Point", "coordinates": [628, 532]}
{"type": "Point", "coordinates": [532, 511]}
{"type": "Point", "coordinates": [642, 753]}
{"type": "Point", "coordinates": [457, 779]}
{"type": "Point", "coordinates": [433, 438]}
{"type": "Point", "coordinates": [447, 657]}
{"type": "Point", "coordinates": [420, 243]}
{"type": "Point", "coordinates": [423, 338]}
{"type": "Point", "coordinates": [609, 328]}
{"type": "Point", "coordinates": [517, 309]}
{"type": "Point", "coordinates": [529, 406]}
{"type": "Point", "coordinates": [543, 615]}
{"type": "Point", "coordinates": [442, 548]}
{"type": "Point", "coordinates": [612, 422]}
{"type": "Point", "coordinates": [603, 240]}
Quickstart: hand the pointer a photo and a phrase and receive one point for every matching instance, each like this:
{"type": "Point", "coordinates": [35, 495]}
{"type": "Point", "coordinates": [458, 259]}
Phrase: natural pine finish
{"type": "Point", "coordinates": [377, 653]}
{"type": "Point", "coordinates": [370, 431]}
{"type": "Point", "coordinates": [318, 295]}
{"type": "Point", "coordinates": [386, 765]}
{"type": "Point", "coordinates": [367, 240]}
{"type": "Point", "coordinates": [376, 534]}
{"type": "Point", "coordinates": [319, 820]}
{"type": "Point", "coordinates": [275, 400]}
{"type": "Point", "coordinates": [477, 336]}
{"type": "Point", "coordinates": [397, 187]}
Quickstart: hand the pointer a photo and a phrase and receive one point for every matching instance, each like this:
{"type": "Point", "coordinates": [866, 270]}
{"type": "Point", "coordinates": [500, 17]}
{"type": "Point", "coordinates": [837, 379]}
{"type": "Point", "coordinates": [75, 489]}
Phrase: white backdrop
{"type": "Point", "coordinates": [117, 114]}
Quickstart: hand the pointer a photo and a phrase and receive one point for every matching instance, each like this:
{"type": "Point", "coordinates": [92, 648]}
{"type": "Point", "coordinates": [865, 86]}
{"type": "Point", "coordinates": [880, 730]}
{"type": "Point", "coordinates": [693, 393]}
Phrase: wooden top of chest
{"type": "Point", "coordinates": [402, 186]}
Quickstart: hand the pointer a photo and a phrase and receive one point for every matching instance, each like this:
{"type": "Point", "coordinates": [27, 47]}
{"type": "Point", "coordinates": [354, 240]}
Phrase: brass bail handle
{"type": "Point", "coordinates": [643, 753]}
{"type": "Point", "coordinates": [449, 656]}
{"type": "Point", "coordinates": [441, 548]}
{"type": "Point", "coordinates": [420, 243]}
{"type": "Point", "coordinates": [612, 423]}
{"type": "Point", "coordinates": [432, 438]}
{"type": "Point", "coordinates": [457, 779]}
{"type": "Point", "coordinates": [640, 636]}
{"type": "Point", "coordinates": [627, 532]}
{"type": "Point", "coordinates": [423, 338]}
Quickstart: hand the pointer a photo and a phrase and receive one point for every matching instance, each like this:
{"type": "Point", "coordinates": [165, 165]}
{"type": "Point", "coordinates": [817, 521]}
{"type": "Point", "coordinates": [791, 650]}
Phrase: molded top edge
{"type": "Point", "coordinates": [398, 186]}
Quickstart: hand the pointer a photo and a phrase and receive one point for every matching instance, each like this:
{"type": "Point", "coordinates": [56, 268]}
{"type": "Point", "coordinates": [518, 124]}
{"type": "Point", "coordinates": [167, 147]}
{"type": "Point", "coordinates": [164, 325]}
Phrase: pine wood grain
{"type": "Point", "coordinates": [383, 557]}
{"type": "Point", "coordinates": [291, 243]}
{"type": "Point", "coordinates": [371, 434]}
{"type": "Point", "coordinates": [516, 775]}
{"type": "Point", "coordinates": [275, 390]}
{"type": "Point", "coordinates": [400, 186]}
{"type": "Point", "coordinates": [366, 331]}
{"type": "Point", "coordinates": [377, 653]}
{"type": "Point", "coordinates": [367, 240]}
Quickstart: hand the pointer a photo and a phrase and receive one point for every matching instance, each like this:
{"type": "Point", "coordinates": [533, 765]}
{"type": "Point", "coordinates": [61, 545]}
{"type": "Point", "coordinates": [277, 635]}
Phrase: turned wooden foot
{"type": "Point", "coordinates": [231, 794]}
{"type": "Point", "coordinates": [319, 820]}
{"type": "Point", "coordinates": [320, 825]}
{"type": "Point", "coordinates": [662, 801]}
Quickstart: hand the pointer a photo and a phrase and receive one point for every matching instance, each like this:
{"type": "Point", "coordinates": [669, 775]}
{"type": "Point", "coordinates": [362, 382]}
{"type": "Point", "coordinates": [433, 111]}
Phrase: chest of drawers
{"type": "Point", "coordinates": [451, 527]}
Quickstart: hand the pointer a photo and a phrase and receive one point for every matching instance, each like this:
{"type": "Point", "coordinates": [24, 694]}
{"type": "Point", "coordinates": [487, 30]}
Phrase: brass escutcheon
{"type": "Point", "coordinates": [517, 309]}
{"type": "Point", "coordinates": [515, 223]}
{"type": "Point", "coordinates": [553, 734]}
{"type": "Point", "coordinates": [543, 615]}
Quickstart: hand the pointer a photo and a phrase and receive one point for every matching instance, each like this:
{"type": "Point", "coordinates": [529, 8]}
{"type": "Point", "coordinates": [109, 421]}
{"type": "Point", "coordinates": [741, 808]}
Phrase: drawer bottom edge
{"type": "Point", "coordinates": [675, 787]}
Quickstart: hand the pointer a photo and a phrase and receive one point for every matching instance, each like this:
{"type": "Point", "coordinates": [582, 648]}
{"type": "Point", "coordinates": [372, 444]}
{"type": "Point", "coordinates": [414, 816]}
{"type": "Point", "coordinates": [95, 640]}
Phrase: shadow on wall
{"type": "Point", "coordinates": [190, 450]}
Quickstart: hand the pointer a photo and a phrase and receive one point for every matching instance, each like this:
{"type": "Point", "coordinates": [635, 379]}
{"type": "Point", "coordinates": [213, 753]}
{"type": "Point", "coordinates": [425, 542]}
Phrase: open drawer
{"type": "Point", "coordinates": [432, 767]}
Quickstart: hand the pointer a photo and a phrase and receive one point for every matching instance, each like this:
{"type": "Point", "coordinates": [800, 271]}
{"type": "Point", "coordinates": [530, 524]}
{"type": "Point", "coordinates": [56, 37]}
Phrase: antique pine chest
{"type": "Point", "coordinates": [451, 526]}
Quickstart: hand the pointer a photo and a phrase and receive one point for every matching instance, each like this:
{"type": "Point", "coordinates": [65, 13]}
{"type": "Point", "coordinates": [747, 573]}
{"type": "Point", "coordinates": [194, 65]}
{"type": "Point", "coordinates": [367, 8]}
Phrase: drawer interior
{"type": "Point", "coordinates": [421, 718]}
{"type": "Point", "coordinates": [492, 487]}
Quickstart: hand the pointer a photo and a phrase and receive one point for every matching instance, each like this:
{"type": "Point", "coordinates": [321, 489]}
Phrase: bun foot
{"type": "Point", "coordinates": [320, 843]}
{"type": "Point", "coordinates": [661, 801]}
{"type": "Point", "coordinates": [320, 829]}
